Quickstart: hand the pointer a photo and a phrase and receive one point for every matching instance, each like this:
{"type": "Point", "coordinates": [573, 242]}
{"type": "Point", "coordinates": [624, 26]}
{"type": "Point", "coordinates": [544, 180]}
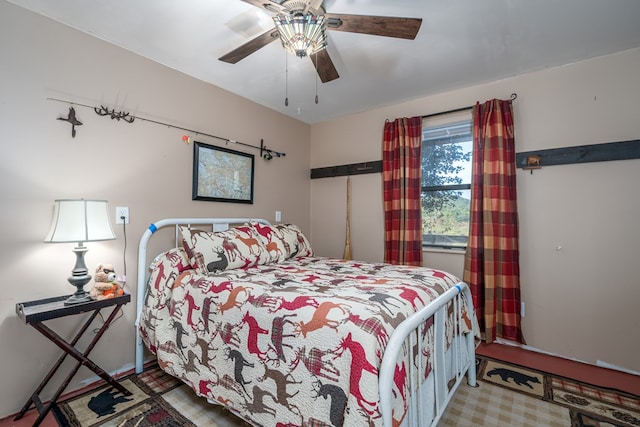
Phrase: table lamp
{"type": "Point", "coordinates": [80, 221]}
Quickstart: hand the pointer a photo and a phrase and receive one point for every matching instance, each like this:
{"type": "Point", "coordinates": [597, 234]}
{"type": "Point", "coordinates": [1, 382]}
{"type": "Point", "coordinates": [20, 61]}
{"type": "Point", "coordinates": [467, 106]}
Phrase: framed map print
{"type": "Point", "coordinates": [222, 175]}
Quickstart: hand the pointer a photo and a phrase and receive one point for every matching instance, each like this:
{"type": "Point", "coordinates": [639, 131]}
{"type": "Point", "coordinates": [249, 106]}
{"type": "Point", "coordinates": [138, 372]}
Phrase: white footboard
{"type": "Point", "coordinates": [446, 364]}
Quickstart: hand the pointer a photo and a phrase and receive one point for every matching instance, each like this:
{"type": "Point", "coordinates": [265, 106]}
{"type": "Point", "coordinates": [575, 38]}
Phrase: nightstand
{"type": "Point", "coordinates": [34, 313]}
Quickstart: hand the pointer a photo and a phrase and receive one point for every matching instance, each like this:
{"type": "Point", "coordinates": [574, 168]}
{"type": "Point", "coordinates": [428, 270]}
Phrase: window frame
{"type": "Point", "coordinates": [431, 122]}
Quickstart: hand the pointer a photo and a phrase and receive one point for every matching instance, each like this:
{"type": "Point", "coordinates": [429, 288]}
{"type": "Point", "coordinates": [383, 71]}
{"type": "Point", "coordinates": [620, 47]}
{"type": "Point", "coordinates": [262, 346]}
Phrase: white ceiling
{"type": "Point", "coordinates": [461, 43]}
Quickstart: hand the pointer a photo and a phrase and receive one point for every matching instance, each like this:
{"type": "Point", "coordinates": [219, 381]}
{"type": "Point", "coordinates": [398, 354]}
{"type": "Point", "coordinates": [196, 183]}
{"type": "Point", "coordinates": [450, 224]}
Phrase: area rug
{"type": "Point", "coordinates": [511, 395]}
{"type": "Point", "coordinates": [157, 399]}
{"type": "Point", "coordinates": [508, 395]}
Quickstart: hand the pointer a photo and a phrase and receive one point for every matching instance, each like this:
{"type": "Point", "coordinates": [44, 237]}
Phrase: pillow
{"type": "Point", "coordinates": [283, 241]}
{"type": "Point", "coordinates": [209, 251]}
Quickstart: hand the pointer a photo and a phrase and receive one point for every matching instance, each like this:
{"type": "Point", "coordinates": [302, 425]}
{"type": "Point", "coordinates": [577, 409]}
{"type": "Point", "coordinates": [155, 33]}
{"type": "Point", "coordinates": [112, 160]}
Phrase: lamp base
{"type": "Point", "coordinates": [79, 277]}
{"type": "Point", "coordinates": [78, 298]}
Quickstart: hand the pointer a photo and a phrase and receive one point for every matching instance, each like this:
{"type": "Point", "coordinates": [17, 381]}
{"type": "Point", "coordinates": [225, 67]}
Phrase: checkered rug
{"type": "Point", "coordinates": [508, 395]}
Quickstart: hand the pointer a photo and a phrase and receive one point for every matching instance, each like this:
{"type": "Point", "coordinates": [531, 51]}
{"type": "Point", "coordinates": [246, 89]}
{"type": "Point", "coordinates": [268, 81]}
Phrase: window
{"type": "Point", "coordinates": [447, 145]}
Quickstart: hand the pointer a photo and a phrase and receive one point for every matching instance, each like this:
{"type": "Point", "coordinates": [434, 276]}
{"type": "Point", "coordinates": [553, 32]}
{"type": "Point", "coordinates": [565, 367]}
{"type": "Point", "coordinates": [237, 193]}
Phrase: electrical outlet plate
{"type": "Point", "coordinates": [122, 212]}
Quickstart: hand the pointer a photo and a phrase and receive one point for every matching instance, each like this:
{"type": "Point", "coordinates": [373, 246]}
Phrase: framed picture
{"type": "Point", "coordinates": [222, 175]}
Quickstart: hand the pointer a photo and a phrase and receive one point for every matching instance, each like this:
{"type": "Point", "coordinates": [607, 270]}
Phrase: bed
{"type": "Point", "coordinates": [248, 317]}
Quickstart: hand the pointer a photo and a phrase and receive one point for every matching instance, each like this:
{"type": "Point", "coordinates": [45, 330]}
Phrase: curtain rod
{"type": "Point", "coordinates": [457, 110]}
{"type": "Point", "coordinates": [265, 152]}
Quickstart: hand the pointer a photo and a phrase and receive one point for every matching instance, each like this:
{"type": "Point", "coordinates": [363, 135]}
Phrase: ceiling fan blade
{"type": "Point", "coordinates": [324, 66]}
{"type": "Point", "coordinates": [267, 5]}
{"type": "Point", "coordinates": [250, 47]}
{"type": "Point", "coordinates": [388, 26]}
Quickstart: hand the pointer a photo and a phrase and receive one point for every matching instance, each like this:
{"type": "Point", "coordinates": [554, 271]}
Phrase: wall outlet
{"type": "Point", "coordinates": [278, 216]}
{"type": "Point", "coordinates": [522, 309]}
{"type": "Point", "coordinates": [122, 215]}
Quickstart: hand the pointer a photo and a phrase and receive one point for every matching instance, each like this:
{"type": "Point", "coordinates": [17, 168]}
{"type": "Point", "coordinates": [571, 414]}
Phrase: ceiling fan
{"type": "Point", "coordinates": [313, 10]}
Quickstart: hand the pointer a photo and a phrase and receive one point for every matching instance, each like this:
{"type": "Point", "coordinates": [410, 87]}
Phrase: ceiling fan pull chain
{"type": "Point", "coordinates": [286, 80]}
{"type": "Point", "coordinates": [316, 66]}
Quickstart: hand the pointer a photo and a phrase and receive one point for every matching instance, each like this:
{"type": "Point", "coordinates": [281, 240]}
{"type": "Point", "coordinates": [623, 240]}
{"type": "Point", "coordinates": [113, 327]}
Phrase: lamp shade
{"type": "Point", "coordinates": [80, 220]}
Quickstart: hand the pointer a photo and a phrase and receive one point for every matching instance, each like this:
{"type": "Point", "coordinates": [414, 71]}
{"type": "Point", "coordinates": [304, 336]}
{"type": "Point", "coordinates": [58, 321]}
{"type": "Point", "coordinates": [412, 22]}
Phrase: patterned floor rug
{"type": "Point", "coordinates": [157, 399]}
{"type": "Point", "coordinates": [508, 395]}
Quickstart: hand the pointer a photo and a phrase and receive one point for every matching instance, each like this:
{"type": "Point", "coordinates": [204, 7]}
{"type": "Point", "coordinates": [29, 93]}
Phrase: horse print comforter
{"type": "Point", "coordinates": [296, 343]}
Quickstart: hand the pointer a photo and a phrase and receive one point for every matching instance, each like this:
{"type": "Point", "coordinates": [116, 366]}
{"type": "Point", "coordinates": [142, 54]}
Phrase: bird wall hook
{"type": "Point", "coordinates": [71, 118]}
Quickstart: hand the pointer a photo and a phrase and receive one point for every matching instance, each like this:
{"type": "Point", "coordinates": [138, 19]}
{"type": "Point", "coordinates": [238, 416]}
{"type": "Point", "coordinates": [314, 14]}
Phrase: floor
{"type": "Point", "coordinates": [564, 367]}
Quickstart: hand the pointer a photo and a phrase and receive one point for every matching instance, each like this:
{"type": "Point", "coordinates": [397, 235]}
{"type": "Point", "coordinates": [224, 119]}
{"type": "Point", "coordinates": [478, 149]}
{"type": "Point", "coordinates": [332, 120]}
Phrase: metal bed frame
{"type": "Point", "coordinates": [445, 364]}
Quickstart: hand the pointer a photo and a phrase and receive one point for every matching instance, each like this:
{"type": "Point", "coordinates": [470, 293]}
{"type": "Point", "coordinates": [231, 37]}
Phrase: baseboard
{"type": "Point", "coordinates": [125, 370]}
{"type": "Point", "coordinates": [599, 363]}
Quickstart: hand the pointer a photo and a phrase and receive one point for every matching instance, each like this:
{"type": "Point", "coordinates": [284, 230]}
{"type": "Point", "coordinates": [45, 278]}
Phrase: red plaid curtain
{"type": "Point", "coordinates": [491, 266]}
{"type": "Point", "coordinates": [401, 169]}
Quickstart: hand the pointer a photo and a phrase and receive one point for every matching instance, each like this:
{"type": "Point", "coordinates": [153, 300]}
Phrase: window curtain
{"type": "Point", "coordinates": [491, 266]}
{"type": "Point", "coordinates": [401, 174]}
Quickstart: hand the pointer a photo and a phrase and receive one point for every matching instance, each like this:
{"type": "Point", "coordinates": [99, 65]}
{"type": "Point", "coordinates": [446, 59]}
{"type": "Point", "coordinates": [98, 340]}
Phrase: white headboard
{"type": "Point", "coordinates": [218, 224]}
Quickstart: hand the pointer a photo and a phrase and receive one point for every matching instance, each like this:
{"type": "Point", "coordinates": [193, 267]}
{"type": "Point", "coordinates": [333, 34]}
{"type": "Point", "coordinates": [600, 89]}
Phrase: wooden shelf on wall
{"type": "Point", "coordinates": [622, 150]}
{"type": "Point", "coordinates": [350, 169]}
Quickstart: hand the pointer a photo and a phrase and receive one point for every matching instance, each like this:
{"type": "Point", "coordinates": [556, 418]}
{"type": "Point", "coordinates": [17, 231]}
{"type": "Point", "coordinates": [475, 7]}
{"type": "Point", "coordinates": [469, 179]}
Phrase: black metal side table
{"type": "Point", "coordinates": [34, 313]}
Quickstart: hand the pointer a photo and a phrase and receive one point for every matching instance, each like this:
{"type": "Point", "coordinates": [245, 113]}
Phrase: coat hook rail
{"type": "Point", "coordinates": [374, 166]}
{"type": "Point", "coordinates": [265, 153]}
{"type": "Point", "coordinates": [603, 152]}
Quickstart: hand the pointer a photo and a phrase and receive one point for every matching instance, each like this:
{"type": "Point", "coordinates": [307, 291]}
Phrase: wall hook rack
{"type": "Point", "coordinates": [603, 152]}
{"type": "Point", "coordinates": [265, 153]}
{"type": "Point", "coordinates": [374, 166]}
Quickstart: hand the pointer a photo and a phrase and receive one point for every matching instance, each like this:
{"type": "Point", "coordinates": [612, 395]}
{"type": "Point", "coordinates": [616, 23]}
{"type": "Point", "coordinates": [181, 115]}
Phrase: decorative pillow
{"type": "Point", "coordinates": [238, 247]}
{"type": "Point", "coordinates": [283, 241]}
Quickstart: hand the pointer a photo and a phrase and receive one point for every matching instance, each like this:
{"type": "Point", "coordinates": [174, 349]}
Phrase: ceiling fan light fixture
{"type": "Point", "coordinates": [302, 34]}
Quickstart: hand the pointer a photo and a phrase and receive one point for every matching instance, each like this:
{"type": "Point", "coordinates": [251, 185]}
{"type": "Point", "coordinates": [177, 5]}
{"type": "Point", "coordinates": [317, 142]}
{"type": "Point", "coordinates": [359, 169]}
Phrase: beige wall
{"type": "Point", "coordinates": [578, 223]}
{"type": "Point", "coordinates": [142, 165]}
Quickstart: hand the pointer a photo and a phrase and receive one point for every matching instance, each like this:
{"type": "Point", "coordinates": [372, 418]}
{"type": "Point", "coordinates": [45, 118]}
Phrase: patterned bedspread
{"type": "Point", "coordinates": [289, 344]}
